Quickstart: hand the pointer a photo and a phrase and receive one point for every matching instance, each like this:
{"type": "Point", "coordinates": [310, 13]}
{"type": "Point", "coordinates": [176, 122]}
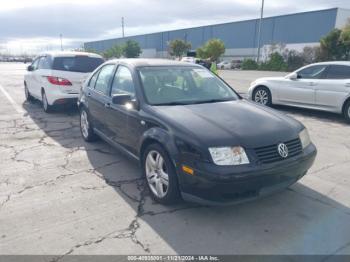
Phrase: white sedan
{"type": "Point", "coordinates": [56, 77]}
{"type": "Point", "coordinates": [225, 65]}
{"type": "Point", "coordinates": [321, 86]}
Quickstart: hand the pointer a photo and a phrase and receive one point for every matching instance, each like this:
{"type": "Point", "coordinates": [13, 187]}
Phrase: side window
{"type": "Point", "coordinates": [122, 82]}
{"type": "Point", "coordinates": [338, 72]}
{"type": "Point", "coordinates": [312, 72]}
{"type": "Point", "coordinates": [44, 63]}
{"type": "Point", "coordinates": [103, 79]}
{"type": "Point", "coordinates": [35, 63]}
{"type": "Point", "coordinates": [93, 79]}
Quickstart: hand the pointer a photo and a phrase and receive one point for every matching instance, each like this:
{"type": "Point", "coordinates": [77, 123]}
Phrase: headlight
{"type": "Point", "coordinates": [304, 138]}
{"type": "Point", "coordinates": [228, 156]}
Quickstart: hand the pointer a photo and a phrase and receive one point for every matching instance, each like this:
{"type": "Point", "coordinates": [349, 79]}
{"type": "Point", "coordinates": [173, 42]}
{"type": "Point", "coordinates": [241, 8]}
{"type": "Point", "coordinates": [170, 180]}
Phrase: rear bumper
{"type": "Point", "coordinates": [55, 95]}
{"type": "Point", "coordinates": [215, 185]}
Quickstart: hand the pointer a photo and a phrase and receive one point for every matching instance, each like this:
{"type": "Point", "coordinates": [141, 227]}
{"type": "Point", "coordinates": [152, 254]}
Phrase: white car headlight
{"type": "Point", "coordinates": [228, 156]}
{"type": "Point", "coordinates": [304, 138]}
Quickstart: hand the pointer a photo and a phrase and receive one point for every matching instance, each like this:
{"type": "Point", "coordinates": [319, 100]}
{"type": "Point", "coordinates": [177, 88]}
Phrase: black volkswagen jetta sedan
{"type": "Point", "coordinates": [194, 136]}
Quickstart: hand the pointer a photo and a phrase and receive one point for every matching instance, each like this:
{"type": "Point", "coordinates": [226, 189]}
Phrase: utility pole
{"type": "Point", "coordinates": [61, 42]}
{"type": "Point", "coordinates": [259, 30]}
{"type": "Point", "coordinates": [123, 27]}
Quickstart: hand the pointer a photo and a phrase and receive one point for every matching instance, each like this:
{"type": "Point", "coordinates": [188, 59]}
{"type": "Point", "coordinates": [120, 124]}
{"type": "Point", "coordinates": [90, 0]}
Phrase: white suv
{"type": "Point", "coordinates": [55, 78]}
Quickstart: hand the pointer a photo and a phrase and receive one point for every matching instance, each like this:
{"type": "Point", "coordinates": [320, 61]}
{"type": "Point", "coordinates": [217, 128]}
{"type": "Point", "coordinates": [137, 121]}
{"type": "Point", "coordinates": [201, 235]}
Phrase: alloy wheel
{"type": "Point", "coordinates": [261, 97]}
{"type": "Point", "coordinates": [156, 174]}
{"type": "Point", "coordinates": [84, 124]}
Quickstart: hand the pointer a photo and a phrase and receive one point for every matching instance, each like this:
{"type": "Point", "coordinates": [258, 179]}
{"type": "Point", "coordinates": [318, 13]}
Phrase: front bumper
{"type": "Point", "coordinates": [217, 185]}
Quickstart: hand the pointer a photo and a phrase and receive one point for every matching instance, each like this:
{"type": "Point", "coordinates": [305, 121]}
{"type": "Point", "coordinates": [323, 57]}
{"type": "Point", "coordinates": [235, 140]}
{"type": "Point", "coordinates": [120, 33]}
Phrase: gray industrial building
{"type": "Point", "coordinates": [241, 38]}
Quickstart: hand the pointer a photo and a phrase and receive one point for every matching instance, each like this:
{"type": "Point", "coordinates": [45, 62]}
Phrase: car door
{"type": "Point", "coordinates": [31, 79]}
{"type": "Point", "coordinates": [98, 98]}
{"type": "Point", "coordinates": [117, 121]}
{"type": "Point", "coordinates": [334, 88]}
{"type": "Point", "coordinates": [301, 91]}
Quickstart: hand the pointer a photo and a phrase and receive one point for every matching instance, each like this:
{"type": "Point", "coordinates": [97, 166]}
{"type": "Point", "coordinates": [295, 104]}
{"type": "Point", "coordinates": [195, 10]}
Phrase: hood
{"type": "Point", "coordinates": [270, 78]}
{"type": "Point", "coordinates": [231, 123]}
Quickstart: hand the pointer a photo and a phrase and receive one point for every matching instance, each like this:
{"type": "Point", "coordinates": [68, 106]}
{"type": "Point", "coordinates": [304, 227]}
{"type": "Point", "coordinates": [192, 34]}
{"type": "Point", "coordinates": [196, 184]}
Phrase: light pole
{"type": "Point", "coordinates": [259, 30]}
{"type": "Point", "coordinates": [61, 42]}
{"type": "Point", "coordinates": [123, 27]}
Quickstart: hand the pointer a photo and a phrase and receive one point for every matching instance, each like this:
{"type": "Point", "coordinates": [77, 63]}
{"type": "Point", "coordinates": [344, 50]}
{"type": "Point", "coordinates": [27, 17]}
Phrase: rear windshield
{"type": "Point", "coordinates": [83, 64]}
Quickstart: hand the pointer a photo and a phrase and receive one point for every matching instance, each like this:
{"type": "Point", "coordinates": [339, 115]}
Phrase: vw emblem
{"type": "Point", "coordinates": [282, 150]}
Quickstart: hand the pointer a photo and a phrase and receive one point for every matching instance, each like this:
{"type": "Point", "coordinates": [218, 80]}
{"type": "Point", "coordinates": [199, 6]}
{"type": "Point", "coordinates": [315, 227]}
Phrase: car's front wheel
{"type": "Point", "coordinates": [27, 94]}
{"type": "Point", "coordinates": [346, 111]}
{"type": "Point", "coordinates": [160, 175]}
{"type": "Point", "coordinates": [262, 95]}
{"type": "Point", "coordinates": [86, 129]}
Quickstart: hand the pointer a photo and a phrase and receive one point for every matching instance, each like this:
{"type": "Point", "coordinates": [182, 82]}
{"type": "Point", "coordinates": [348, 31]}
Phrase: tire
{"type": "Point", "coordinates": [262, 95]}
{"type": "Point", "coordinates": [86, 129]}
{"type": "Point", "coordinates": [47, 108]}
{"type": "Point", "coordinates": [346, 111]}
{"type": "Point", "coordinates": [27, 94]}
{"type": "Point", "coordinates": [160, 176]}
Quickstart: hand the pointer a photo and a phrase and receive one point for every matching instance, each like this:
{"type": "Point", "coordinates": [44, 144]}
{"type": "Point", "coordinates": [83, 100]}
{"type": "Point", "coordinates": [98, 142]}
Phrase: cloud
{"type": "Point", "coordinates": [39, 21]}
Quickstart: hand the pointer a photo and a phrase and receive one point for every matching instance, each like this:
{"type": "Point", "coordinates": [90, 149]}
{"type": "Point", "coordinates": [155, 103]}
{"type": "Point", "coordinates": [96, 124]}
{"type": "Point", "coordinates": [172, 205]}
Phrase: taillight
{"type": "Point", "coordinates": [59, 81]}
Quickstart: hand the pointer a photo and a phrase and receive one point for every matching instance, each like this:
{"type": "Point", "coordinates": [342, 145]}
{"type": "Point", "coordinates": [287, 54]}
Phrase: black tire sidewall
{"type": "Point", "coordinates": [173, 194]}
{"type": "Point", "coordinates": [43, 96]}
{"type": "Point", "coordinates": [346, 110]}
{"type": "Point", "coordinates": [269, 101]}
{"type": "Point", "coordinates": [28, 96]}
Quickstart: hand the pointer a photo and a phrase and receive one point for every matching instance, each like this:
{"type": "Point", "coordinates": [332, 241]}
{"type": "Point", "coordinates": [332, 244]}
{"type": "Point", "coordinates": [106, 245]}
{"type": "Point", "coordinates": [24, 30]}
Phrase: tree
{"type": "Point", "coordinates": [131, 49]}
{"type": "Point", "coordinates": [113, 52]}
{"type": "Point", "coordinates": [332, 47]}
{"type": "Point", "coordinates": [212, 49]}
{"type": "Point", "coordinates": [179, 47]}
{"type": "Point", "coordinates": [295, 60]}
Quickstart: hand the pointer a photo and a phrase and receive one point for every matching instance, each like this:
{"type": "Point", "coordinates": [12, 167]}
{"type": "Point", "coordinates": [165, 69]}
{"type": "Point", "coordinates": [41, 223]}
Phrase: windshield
{"type": "Point", "coordinates": [82, 64]}
{"type": "Point", "coordinates": [183, 85]}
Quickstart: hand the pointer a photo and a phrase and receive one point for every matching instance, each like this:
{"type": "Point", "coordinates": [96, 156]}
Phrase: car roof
{"type": "Point", "coordinates": [346, 63]}
{"type": "Point", "coordinates": [70, 54]}
{"type": "Point", "coordinates": [141, 62]}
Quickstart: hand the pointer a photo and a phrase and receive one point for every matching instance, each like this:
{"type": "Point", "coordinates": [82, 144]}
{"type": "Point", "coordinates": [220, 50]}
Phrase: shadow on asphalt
{"type": "Point", "coordinates": [298, 220]}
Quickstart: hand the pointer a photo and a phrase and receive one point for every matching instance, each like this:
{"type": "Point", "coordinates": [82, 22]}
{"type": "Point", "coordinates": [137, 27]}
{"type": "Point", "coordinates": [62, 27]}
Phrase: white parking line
{"type": "Point", "coordinates": [10, 99]}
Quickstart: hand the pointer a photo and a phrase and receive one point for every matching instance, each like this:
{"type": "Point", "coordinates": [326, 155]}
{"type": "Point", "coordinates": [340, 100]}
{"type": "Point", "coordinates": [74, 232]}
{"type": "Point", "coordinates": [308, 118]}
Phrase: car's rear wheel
{"type": "Point", "coordinates": [29, 97]}
{"type": "Point", "coordinates": [262, 95]}
{"type": "Point", "coordinates": [346, 111]}
{"type": "Point", "coordinates": [86, 129]}
{"type": "Point", "coordinates": [160, 175]}
{"type": "Point", "coordinates": [47, 108]}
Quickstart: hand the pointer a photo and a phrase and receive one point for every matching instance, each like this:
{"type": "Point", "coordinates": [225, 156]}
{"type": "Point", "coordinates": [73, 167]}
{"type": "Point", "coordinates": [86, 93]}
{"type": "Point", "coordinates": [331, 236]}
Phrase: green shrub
{"type": "Point", "coordinates": [249, 64]}
{"type": "Point", "coordinates": [275, 63]}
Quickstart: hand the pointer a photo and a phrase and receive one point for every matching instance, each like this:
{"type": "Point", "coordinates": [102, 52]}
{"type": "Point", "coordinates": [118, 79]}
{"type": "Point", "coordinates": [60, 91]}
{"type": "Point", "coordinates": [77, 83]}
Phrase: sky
{"type": "Point", "coordinates": [32, 26]}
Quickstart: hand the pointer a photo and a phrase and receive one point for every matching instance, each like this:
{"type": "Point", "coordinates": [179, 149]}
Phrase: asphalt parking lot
{"type": "Point", "coordinates": [60, 195]}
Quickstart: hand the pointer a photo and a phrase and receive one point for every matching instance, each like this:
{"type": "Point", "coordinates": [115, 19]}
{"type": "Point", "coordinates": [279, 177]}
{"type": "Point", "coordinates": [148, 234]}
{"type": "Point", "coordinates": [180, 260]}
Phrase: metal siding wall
{"type": "Point", "coordinates": [304, 28]}
{"type": "Point", "coordinates": [296, 28]}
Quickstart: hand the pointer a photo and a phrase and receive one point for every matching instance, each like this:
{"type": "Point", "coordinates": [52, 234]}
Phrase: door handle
{"type": "Point", "coordinates": [347, 84]}
{"type": "Point", "coordinates": [312, 84]}
{"type": "Point", "coordinates": [107, 105]}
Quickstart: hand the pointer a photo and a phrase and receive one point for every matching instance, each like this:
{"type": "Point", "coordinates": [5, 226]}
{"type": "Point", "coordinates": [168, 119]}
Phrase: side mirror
{"type": "Point", "coordinates": [121, 99]}
{"type": "Point", "coordinates": [30, 68]}
{"type": "Point", "coordinates": [293, 76]}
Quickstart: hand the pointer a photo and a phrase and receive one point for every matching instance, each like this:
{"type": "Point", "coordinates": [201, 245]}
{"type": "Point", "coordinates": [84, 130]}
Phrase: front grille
{"type": "Point", "coordinates": [269, 154]}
